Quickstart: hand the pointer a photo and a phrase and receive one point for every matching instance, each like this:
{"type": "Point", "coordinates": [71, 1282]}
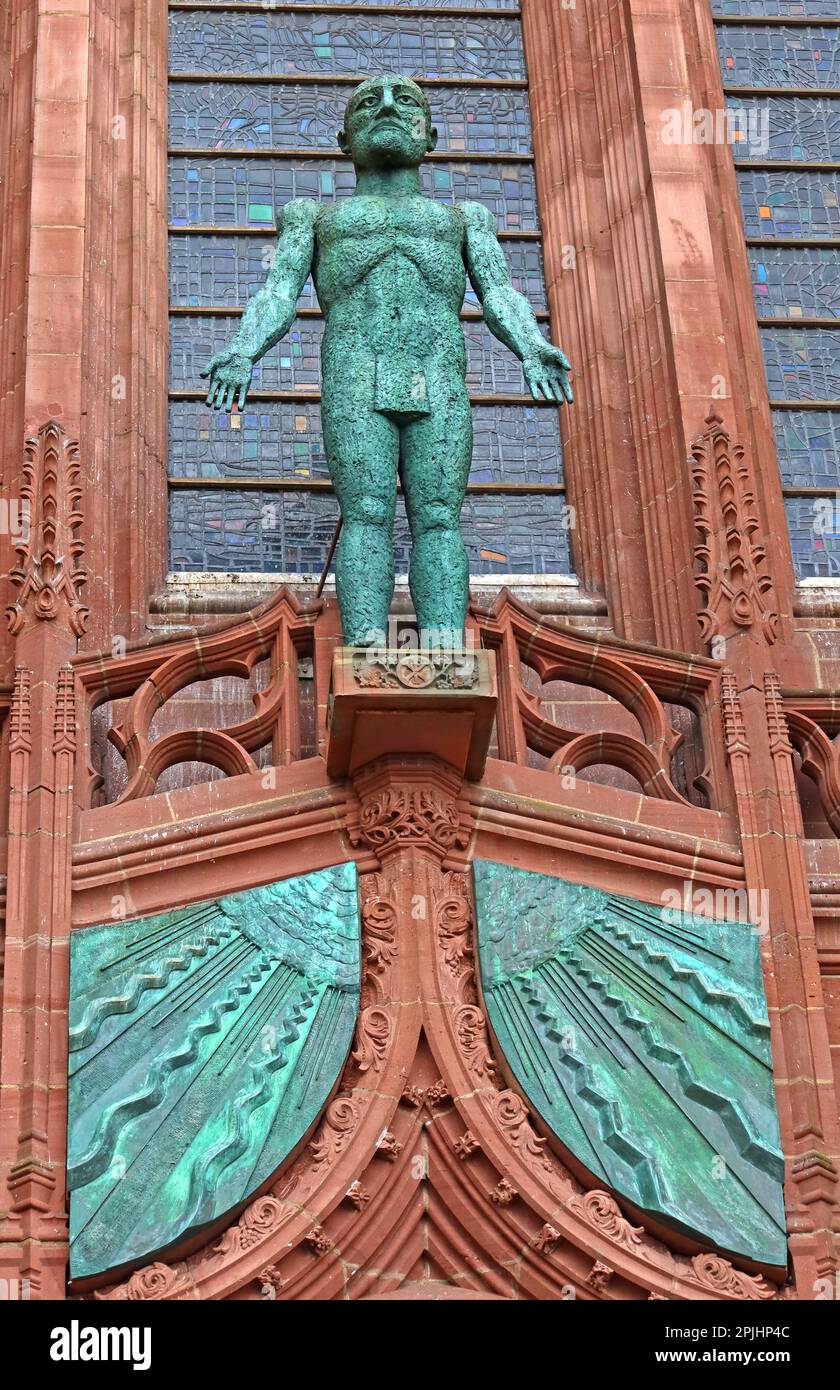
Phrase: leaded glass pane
{"type": "Point", "coordinates": [814, 528]}
{"type": "Point", "coordinates": [407, 4]}
{"type": "Point", "coordinates": [274, 439]}
{"type": "Point", "coordinates": [779, 57]}
{"type": "Point", "coordinates": [359, 44]}
{"type": "Point", "coordinates": [226, 115]}
{"type": "Point", "coordinates": [207, 270]}
{"type": "Point", "coordinates": [795, 281]}
{"type": "Point", "coordinates": [806, 9]}
{"type": "Point", "coordinates": [787, 128]}
{"type": "Point", "coordinates": [789, 204]}
{"type": "Point", "coordinates": [290, 532]}
{"type": "Point", "coordinates": [803, 364]}
{"type": "Point", "coordinates": [808, 442]}
{"type": "Point", "coordinates": [252, 191]}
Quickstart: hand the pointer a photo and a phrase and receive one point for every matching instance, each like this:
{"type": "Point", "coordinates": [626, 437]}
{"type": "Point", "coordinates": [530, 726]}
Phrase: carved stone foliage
{"type": "Point", "coordinates": [640, 1036]}
{"type": "Point", "coordinates": [639, 682]}
{"type": "Point", "coordinates": [714, 1272]}
{"type": "Point", "coordinates": [416, 670]}
{"type": "Point", "coordinates": [203, 1043]}
{"type": "Point", "coordinates": [731, 572]}
{"type": "Point", "coordinates": [50, 574]}
{"type": "Point", "coordinates": [150, 1284]}
{"type": "Point", "coordinates": [602, 1211]}
{"type": "Point", "coordinates": [398, 816]}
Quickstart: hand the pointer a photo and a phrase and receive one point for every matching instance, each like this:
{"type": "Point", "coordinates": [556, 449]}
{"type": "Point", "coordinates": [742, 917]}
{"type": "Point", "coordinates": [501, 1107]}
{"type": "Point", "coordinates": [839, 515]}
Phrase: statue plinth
{"type": "Point", "coordinates": [426, 703]}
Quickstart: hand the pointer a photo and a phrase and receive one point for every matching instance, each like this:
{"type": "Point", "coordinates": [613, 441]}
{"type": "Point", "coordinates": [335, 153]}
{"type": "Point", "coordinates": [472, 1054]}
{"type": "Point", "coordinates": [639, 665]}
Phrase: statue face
{"type": "Point", "coordinates": [387, 125]}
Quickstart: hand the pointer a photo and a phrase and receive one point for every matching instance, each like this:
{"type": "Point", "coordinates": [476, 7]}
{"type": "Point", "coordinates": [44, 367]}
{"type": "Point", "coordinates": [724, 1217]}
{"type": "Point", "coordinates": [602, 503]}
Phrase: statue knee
{"type": "Point", "coordinates": [435, 516]}
{"type": "Point", "coordinates": [370, 511]}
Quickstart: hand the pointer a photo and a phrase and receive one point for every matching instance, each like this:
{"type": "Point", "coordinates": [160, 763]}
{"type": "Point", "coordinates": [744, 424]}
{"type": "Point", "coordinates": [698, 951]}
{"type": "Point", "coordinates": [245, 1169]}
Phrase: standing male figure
{"type": "Point", "coordinates": [390, 269]}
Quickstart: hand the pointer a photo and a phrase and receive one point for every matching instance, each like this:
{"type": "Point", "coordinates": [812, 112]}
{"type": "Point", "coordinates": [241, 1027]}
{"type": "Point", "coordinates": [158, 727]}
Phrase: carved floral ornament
{"type": "Point", "coordinates": [731, 572]}
{"type": "Point", "coordinates": [50, 574]}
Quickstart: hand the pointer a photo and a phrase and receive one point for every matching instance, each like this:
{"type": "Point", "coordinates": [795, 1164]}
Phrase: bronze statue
{"type": "Point", "coordinates": [390, 268]}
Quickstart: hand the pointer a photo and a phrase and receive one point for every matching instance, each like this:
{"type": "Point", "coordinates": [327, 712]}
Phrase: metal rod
{"type": "Point", "coordinates": [333, 543]}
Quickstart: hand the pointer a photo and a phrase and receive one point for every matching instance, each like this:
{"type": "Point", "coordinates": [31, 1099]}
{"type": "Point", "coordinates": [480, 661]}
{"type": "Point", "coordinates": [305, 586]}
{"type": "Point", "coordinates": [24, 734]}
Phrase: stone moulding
{"type": "Point", "coordinates": [203, 1043]}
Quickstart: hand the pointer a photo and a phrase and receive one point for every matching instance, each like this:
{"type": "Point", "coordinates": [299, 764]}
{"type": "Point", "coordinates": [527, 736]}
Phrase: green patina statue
{"type": "Point", "coordinates": [389, 267]}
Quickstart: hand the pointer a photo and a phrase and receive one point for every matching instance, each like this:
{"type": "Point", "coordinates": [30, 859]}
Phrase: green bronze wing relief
{"type": "Point", "coordinates": [640, 1036]}
{"type": "Point", "coordinates": [203, 1044]}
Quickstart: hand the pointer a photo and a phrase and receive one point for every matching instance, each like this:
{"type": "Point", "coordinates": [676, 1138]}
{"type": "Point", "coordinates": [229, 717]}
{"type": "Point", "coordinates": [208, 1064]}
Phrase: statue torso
{"type": "Point", "coordinates": [390, 273]}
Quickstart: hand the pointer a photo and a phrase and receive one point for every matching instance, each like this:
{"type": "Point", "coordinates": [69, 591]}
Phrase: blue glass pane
{"type": "Point", "coordinates": [293, 364]}
{"type": "Point", "coordinates": [795, 282]}
{"type": "Point", "coordinates": [273, 439]}
{"type": "Point", "coordinates": [789, 204]}
{"type": "Point", "coordinates": [406, 4]}
{"type": "Point", "coordinates": [808, 443]}
{"type": "Point", "coordinates": [788, 128]}
{"type": "Point", "coordinates": [806, 9]}
{"type": "Point", "coordinates": [249, 192]}
{"type": "Point", "coordinates": [416, 45]}
{"type": "Point", "coordinates": [207, 270]}
{"type": "Point", "coordinates": [779, 57]}
{"type": "Point", "coordinates": [492, 369]}
{"type": "Point", "coordinates": [225, 115]}
{"type": "Point", "coordinates": [269, 439]}
{"type": "Point", "coordinates": [815, 547]}
{"type": "Point", "coordinates": [290, 533]}
{"type": "Point", "coordinates": [802, 364]}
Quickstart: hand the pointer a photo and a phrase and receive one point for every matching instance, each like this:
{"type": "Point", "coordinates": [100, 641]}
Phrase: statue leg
{"type": "Point", "coordinates": [362, 452]}
{"type": "Point", "coordinates": [435, 466]}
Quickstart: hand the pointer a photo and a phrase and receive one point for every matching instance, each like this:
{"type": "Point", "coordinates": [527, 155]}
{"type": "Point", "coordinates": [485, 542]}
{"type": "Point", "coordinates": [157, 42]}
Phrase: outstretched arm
{"type": "Point", "coordinates": [507, 313]}
{"type": "Point", "coordinates": [270, 312]}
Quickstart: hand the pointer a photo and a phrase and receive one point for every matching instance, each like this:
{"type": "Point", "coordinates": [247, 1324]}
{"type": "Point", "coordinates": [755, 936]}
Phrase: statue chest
{"type": "Point", "coordinates": [390, 250]}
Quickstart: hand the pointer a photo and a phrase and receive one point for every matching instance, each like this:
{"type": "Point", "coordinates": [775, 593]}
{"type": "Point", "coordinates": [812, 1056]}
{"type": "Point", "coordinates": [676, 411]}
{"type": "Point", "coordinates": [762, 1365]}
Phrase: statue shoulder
{"type": "Point", "coordinates": [298, 215]}
{"type": "Point", "coordinates": [478, 218]}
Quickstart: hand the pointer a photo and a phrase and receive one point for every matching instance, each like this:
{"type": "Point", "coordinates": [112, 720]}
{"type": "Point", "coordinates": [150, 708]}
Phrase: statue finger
{"type": "Point", "coordinates": [243, 394]}
{"type": "Point", "coordinates": [231, 392]}
{"type": "Point", "coordinates": [211, 391]}
{"type": "Point", "coordinates": [566, 387]}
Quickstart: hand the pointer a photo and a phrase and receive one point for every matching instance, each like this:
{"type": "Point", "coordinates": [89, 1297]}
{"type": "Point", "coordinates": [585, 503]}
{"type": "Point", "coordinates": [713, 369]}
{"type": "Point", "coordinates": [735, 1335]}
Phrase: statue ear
{"type": "Point", "coordinates": [342, 142]}
{"type": "Point", "coordinates": [433, 138]}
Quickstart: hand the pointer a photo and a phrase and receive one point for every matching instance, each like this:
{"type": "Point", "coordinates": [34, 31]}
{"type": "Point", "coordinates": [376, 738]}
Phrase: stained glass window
{"type": "Point", "coordinates": [256, 99]}
{"type": "Point", "coordinates": [779, 57]}
{"type": "Point", "coordinates": [797, 280]}
{"type": "Point", "coordinates": [274, 115]}
{"type": "Point", "coordinates": [795, 9]}
{"type": "Point", "coordinates": [355, 43]}
{"type": "Point", "coordinates": [786, 128]}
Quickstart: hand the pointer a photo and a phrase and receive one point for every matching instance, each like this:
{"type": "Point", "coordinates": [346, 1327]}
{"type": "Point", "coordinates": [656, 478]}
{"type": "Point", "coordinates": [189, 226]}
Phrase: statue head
{"type": "Point", "coordinates": [387, 124]}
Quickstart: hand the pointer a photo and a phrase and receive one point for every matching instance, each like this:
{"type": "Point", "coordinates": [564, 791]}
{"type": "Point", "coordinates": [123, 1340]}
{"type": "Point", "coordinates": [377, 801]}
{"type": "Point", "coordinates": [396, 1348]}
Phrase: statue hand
{"type": "Point", "coordinates": [547, 373]}
{"type": "Point", "coordinates": [229, 371]}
